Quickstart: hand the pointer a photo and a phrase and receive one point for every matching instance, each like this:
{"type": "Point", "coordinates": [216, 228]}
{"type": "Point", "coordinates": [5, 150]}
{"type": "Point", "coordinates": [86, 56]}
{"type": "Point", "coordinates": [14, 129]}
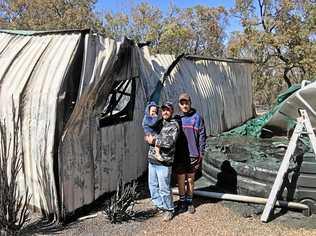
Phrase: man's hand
{"type": "Point", "coordinates": [150, 139]}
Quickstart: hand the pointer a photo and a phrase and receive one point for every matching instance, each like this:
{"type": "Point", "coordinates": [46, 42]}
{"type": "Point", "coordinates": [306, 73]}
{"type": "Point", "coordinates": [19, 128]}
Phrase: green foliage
{"type": "Point", "coordinates": [280, 36]}
{"type": "Point", "coordinates": [116, 25]}
{"type": "Point", "coordinates": [146, 22]}
{"type": "Point", "coordinates": [197, 30]}
{"type": "Point", "coordinates": [47, 14]}
{"type": "Point", "coordinates": [206, 26]}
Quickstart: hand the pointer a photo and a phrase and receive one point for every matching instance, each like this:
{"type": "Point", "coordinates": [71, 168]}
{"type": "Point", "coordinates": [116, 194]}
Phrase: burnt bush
{"type": "Point", "coordinates": [120, 206]}
{"type": "Point", "coordinates": [14, 212]}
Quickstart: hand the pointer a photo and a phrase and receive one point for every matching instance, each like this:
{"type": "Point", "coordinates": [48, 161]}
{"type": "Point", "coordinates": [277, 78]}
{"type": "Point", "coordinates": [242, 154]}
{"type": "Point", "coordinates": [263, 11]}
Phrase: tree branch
{"type": "Point", "coordinates": [285, 77]}
{"type": "Point", "coordinates": [262, 14]}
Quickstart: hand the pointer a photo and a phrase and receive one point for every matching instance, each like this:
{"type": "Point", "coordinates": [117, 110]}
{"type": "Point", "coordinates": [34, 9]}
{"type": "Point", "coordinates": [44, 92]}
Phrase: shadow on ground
{"type": "Point", "coordinates": [45, 226]}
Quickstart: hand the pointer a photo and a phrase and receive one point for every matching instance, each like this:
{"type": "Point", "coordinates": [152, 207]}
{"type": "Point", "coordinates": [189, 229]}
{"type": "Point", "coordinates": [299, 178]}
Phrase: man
{"type": "Point", "coordinates": [159, 169]}
{"type": "Point", "coordinates": [191, 147]}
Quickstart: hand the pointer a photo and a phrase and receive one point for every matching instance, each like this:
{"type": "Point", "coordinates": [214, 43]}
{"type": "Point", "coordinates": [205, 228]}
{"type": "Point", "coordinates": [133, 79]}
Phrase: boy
{"type": "Point", "coordinates": [192, 151]}
{"type": "Point", "coordinates": [150, 122]}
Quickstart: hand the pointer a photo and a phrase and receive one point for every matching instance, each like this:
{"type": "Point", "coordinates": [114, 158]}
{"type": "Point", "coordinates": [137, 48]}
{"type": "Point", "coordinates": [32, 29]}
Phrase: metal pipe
{"type": "Point", "coordinates": [248, 199]}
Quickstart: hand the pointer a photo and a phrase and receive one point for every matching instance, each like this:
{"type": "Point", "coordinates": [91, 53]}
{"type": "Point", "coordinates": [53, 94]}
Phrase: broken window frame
{"type": "Point", "coordinates": [119, 92]}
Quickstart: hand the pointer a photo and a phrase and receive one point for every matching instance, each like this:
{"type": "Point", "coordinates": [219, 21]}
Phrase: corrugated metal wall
{"type": "Point", "coordinates": [220, 90]}
{"type": "Point", "coordinates": [93, 159]}
{"type": "Point", "coordinates": [32, 71]}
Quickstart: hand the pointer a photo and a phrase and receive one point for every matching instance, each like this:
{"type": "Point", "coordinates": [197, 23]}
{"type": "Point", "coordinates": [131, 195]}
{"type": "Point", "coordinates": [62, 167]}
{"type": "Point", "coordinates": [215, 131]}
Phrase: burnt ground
{"type": "Point", "coordinates": [212, 217]}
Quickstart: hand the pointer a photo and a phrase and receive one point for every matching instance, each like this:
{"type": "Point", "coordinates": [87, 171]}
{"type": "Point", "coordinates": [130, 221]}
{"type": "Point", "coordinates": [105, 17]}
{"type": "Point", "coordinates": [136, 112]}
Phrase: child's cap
{"type": "Point", "coordinates": [152, 104]}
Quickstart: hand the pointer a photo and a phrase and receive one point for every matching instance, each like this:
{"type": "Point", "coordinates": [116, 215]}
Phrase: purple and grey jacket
{"type": "Point", "coordinates": [193, 127]}
{"type": "Point", "coordinates": [149, 122]}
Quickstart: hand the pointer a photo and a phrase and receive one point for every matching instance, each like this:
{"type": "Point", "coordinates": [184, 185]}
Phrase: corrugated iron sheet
{"type": "Point", "coordinates": [304, 98]}
{"type": "Point", "coordinates": [91, 160]}
{"type": "Point", "coordinates": [221, 90]}
{"type": "Point", "coordinates": [32, 73]}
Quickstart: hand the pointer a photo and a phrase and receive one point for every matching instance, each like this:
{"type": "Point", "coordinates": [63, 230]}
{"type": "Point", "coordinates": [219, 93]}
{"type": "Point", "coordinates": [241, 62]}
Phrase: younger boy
{"type": "Point", "coordinates": [149, 123]}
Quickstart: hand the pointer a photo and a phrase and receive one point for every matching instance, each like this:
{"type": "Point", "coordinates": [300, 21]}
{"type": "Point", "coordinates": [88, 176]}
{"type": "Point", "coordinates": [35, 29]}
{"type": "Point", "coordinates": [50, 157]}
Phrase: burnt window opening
{"type": "Point", "coordinates": [119, 106]}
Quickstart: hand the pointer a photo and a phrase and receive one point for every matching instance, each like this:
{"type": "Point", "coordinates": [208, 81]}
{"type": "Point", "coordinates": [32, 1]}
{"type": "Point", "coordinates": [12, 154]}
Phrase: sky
{"type": "Point", "coordinates": [122, 5]}
{"type": "Point", "coordinates": [118, 5]}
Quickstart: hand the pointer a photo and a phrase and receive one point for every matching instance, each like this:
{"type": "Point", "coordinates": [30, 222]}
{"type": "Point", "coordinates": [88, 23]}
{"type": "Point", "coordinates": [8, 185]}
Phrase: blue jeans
{"type": "Point", "coordinates": [159, 178]}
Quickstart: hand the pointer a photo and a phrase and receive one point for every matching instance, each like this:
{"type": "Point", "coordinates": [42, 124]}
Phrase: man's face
{"type": "Point", "coordinates": [185, 106]}
{"type": "Point", "coordinates": [166, 113]}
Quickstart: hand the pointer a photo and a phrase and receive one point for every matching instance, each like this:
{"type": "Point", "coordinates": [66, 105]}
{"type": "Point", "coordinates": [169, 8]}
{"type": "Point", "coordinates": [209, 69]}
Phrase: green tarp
{"type": "Point", "coordinates": [254, 127]}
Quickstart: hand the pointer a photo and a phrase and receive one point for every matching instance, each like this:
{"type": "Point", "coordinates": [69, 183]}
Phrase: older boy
{"type": "Point", "coordinates": [188, 162]}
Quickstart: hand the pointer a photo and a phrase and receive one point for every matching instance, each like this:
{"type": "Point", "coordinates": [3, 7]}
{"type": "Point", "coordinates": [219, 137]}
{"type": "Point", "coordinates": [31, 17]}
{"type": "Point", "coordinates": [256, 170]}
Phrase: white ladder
{"type": "Point", "coordinates": [302, 122]}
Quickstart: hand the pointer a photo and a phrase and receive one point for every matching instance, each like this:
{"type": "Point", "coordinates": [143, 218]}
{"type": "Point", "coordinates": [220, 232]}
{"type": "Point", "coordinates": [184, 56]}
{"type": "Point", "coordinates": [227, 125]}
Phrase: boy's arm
{"type": "Point", "coordinates": [202, 137]}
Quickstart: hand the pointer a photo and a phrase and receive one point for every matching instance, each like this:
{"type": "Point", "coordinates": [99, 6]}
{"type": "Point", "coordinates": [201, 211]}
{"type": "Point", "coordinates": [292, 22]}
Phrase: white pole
{"type": "Point", "coordinates": [248, 199]}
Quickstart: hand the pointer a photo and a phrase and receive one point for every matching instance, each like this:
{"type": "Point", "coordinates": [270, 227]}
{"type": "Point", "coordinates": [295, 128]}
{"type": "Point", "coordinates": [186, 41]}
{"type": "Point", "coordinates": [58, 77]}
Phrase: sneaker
{"type": "Point", "coordinates": [191, 208]}
{"type": "Point", "coordinates": [157, 211]}
{"type": "Point", "coordinates": [167, 216]}
{"type": "Point", "coordinates": [181, 207]}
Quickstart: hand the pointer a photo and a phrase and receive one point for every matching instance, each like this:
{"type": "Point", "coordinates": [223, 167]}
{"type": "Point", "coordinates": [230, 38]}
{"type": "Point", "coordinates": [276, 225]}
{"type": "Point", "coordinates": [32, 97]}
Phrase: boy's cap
{"type": "Point", "coordinates": [167, 105]}
{"type": "Point", "coordinates": [184, 96]}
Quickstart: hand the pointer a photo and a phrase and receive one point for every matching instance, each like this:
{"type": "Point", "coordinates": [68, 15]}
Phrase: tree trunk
{"type": "Point", "coordinates": [286, 78]}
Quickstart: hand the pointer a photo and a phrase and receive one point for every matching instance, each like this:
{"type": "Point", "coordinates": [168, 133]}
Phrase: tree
{"type": "Point", "coordinates": [147, 24]}
{"type": "Point", "coordinates": [144, 23]}
{"type": "Point", "coordinates": [279, 35]}
{"type": "Point", "coordinates": [206, 25]}
{"type": "Point", "coordinates": [173, 36]}
{"type": "Point", "coordinates": [116, 25]}
{"type": "Point", "coordinates": [47, 14]}
{"type": "Point", "coordinates": [197, 30]}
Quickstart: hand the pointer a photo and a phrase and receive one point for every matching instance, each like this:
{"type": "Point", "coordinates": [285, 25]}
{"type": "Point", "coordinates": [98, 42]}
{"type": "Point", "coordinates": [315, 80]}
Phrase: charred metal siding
{"type": "Point", "coordinates": [32, 72]}
{"type": "Point", "coordinates": [92, 159]}
{"type": "Point", "coordinates": [220, 90]}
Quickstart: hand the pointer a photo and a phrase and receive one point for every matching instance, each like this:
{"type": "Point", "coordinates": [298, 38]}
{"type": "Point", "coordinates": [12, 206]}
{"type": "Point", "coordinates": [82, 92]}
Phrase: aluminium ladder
{"type": "Point", "coordinates": [302, 122]}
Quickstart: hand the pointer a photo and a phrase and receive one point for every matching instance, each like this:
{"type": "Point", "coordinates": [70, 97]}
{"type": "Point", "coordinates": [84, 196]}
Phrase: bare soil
{"type": "Point", "coordinates": [212, 217]}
